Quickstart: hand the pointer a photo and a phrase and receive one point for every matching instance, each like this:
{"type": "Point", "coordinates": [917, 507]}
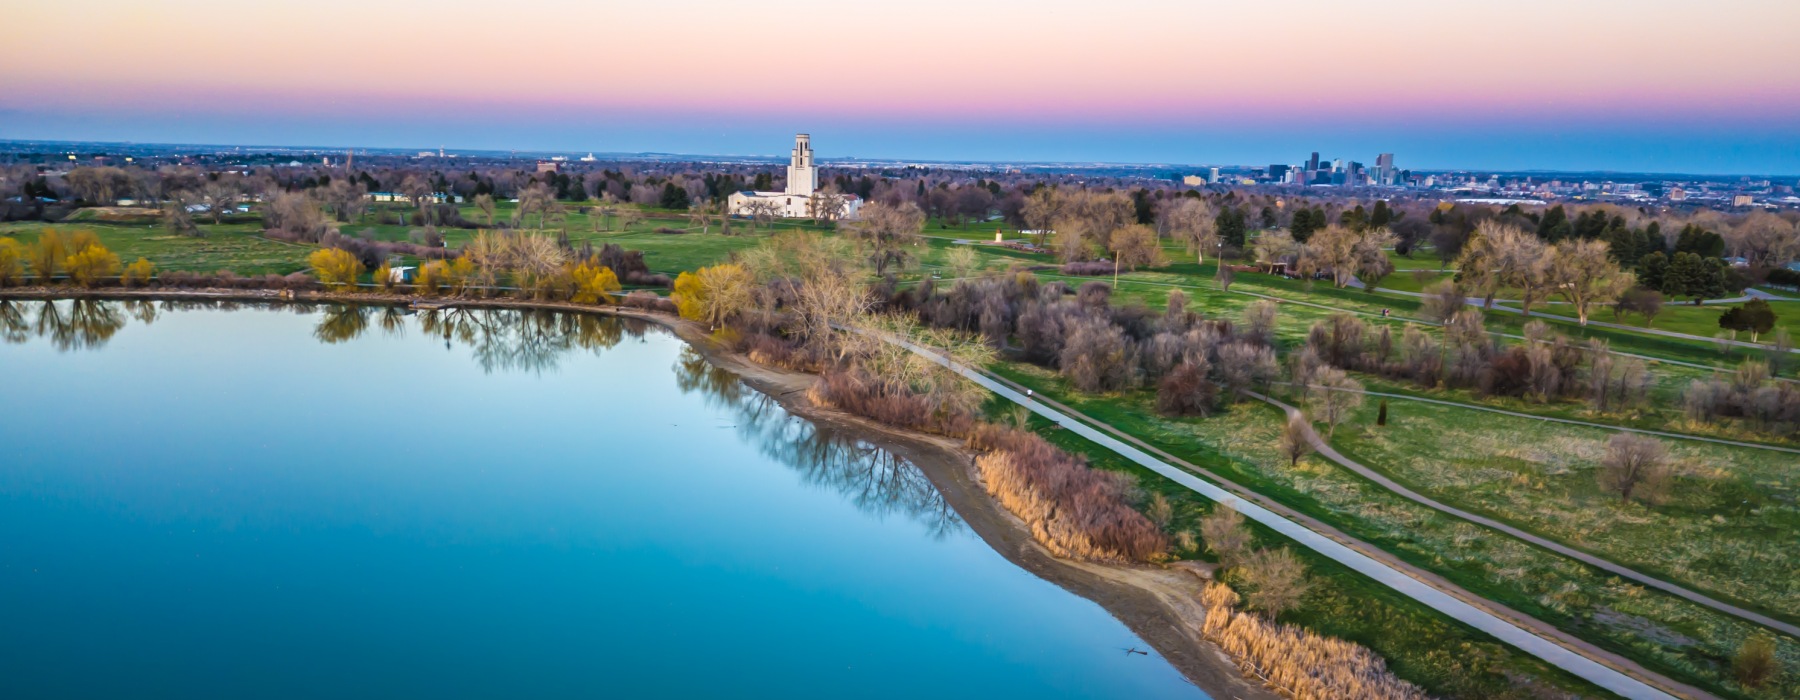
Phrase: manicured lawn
{"type": "Point", "coordinates": [240, 248]}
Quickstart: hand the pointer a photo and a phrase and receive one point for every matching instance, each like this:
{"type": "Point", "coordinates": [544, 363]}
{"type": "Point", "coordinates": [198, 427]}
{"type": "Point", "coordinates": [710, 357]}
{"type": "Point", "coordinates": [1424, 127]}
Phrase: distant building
{"type": "Point", "coordinates": [1676, 194]}
{"type": "Point", "coordinates": [1384, 169]}
{"type": "Point", "coordinates": [1743, 200]}
{"type": "Point", "coordinates": [1215, 176]}
{"type": "Point", "coordinates": [435, 197]}
{"type": "Point", "coordinates": [1193, 181]}
{"type": "Point", "coordinates": [796, 202]}
{"type": "Point", "coordinates": [549, 166]}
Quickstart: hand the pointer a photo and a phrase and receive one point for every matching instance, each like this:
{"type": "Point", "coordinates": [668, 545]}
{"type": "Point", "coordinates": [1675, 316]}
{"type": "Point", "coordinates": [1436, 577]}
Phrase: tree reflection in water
{"type": "Point", "coordinates": [80, 324]}
{"type": "Point", "coordinates": [532, 341]}
{"type": "Point", "coordinates": [877, 481]}
{"type": "Point", "coordinates": [874, 479]}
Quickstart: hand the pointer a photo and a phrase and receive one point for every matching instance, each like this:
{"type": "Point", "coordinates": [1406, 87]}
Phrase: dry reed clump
{"type": "Point", "coordinates": [1074, 511]}
{"type": "Point", "coordinates": [1293, 661]}
{"type": "Point", "coordinates": [853, 391]}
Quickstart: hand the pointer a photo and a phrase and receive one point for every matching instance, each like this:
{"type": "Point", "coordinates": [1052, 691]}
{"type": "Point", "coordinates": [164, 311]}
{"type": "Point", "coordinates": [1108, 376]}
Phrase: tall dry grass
{"type": "Point", "coordinates": [1073, 510]}
{"type": "Point", "coordinates": [1295, 662]}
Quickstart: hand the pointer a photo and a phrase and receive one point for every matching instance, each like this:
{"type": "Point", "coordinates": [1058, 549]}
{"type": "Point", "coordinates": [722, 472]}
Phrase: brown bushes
{"type": "Point", "coordinates": [1187, 391]}
{"type": "Point", "coordinates": [1087, 269]}
{"type": "Point", "coordinates": [1074, 511]}
{"type": "Point", "coordinates": [647, 301]}
{"type": "Point", "coordinates": [1295, 662]}
{"type": "Point", "coordinates": [852, 391]}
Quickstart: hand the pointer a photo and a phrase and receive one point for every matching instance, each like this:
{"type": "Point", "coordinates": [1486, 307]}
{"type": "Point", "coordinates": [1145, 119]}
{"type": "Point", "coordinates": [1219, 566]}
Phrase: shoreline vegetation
{"type": "Point", "coordinates": [801, 301]}
{"type": "Point", "coordinates": [1165, 605]}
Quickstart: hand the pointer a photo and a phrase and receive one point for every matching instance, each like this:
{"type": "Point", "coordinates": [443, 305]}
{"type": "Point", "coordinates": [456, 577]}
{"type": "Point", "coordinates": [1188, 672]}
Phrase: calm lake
{"type": "Point", "coordinates": [306, 502]}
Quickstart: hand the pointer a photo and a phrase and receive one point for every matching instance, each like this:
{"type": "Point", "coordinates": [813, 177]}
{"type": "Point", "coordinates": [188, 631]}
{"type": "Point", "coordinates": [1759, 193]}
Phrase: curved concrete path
{"type": "Point", "coordinates": [1325, 449]}
{"type": "Point", "coordinates": [1567, 421]}
{"type": "Point", "coordinates": [1478, 302]}
{"type": "Point", "coordinates": [1604, 669]}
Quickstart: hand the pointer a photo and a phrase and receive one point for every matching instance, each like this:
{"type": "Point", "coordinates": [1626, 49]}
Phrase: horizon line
{"type": "Point", "coordinates": [698, 157]}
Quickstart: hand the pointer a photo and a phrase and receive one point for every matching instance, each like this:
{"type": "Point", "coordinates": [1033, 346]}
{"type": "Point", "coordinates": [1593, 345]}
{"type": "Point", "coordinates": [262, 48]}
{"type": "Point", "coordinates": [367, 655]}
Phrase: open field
{"type": "Point", "coordinates": [1684, 640]}
{"type": "Point", "coordinates": [1447, 659]}
{"type": "Point", "coordinates": [1723, 528]}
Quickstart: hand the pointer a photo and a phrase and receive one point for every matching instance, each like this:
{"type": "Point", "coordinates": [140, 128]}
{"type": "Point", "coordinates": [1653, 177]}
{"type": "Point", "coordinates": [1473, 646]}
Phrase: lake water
{"type": "Point", "coordinates": [306, 502]}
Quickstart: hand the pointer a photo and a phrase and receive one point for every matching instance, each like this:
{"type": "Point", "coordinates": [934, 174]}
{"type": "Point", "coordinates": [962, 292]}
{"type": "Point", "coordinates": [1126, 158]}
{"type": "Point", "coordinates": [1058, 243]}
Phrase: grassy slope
{"type": "Point", "coordinates": [1681, 639]}
{"type": "Point", "coordinates": [1444, 657]}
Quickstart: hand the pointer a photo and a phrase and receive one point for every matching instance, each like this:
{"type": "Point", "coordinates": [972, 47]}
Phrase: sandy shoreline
{"type": "Point", "coordinates": [1159, 604]}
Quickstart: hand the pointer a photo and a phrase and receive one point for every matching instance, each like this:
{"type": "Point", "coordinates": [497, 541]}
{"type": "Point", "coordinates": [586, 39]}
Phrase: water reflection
{"type": "Point", "coordinates": [876, 481]}
{"type": "Point", "coordinates": [81, 324]}
{"type": "Point", "coordinates": [521, 340]}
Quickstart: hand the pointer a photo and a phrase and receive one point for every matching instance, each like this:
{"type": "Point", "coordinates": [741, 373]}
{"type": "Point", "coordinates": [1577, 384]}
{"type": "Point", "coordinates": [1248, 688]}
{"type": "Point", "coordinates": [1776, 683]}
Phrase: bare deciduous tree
{"type": "Point", "coordinates": [1276, 580]}
{"type": "Point", "coordinates": [1586, 276]}
{"type": "Point", "coordinates": [1296, 438]}
{"type": "Point", "coordinates": [887, 232]}
{"type": "Point", "coordinates": [1192, 221]}
{"type": "Point", "coordinates": [1635, 466]}
{"type": "Point", "coordinates": [1225, 535]}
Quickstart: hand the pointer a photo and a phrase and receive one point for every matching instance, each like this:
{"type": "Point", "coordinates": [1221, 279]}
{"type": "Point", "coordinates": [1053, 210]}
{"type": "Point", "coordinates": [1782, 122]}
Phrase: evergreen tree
{"type": "Point", "coordinates": [1699, 241]}
{"type": "Point", "coordinates": [1306, 221]}
{"type": "Point", "coordinates": [1555, 224]}
{"type": "Point", "coordinates": [1651, 270]}
{"type": "Point", "coordinates": [674, 197]}
{"type": "Point", "coordinates": [1695, 277]}
{"type": "Point", "coordinates": [1755, 316]}
{"type": "Point", "coordinates": [1231, 226]}
{"type": "Point", "coordinates": [1382, 215]}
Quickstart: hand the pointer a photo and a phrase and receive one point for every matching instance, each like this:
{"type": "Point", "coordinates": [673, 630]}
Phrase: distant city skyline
{"type": "Point", "coordinates": [1608, 85]}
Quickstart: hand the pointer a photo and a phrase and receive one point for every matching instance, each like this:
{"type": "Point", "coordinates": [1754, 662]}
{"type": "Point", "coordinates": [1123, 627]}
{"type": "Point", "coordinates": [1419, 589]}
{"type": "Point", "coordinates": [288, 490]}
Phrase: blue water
{"type": "Point", "coordinates": [307, 502]}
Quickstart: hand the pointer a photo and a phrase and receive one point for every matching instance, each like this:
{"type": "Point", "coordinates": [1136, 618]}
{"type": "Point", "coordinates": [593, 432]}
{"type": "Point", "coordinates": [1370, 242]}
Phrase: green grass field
{"type": "Point", "coordinates": [1728, 529]}
{"type": "Point", "coordinates": [1671, 635]}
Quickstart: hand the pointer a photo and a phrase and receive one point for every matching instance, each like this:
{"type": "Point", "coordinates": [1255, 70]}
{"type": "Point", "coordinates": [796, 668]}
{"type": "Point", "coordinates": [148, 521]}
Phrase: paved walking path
{"type": "Point", "coordinates": [1325, 449]}
{"type": "Point", "coordinates": [1535, 637]}
{"type": "Point", "coordinates": [1750, 294]}
{"type": "Point", "coordinates": [1569, 421]}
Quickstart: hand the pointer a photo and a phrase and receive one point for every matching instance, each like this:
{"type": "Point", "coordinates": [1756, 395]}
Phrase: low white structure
{"type": "Point", "coordinates": [802, 196]}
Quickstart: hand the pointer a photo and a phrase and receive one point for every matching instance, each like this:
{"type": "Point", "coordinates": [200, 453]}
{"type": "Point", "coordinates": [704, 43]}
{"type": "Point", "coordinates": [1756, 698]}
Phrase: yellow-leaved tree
{"type": "Point", "coordinates": [12, 262]}
{"type": "Point", "coordinates": [335, 268]}
{"type": "Point", "coordinates": [462, 271]}
{"type": "Point", "coordinates": [725, 292]}
{"type": "Point", "coordinates": [433, 277]}
{"type": "Point", "coordinates": [594, 283]}
{"type": "Point", "coordinates": [713, 294]}
{"type": "Point", "coordinates": [47, 254]}
{"type": "Point", "coordinates": [91, 264]}
{"type": "Point", "coordinates": [384, 276]}
{"type": "Point", "coordinates": [139, 273]}
{"type": "Point", "coordinates": [688, 296]}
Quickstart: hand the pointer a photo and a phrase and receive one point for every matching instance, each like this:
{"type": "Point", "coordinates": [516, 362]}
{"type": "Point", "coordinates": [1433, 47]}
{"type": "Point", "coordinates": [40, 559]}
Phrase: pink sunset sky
{"type": "Point", "coordinates": [1696, 86]}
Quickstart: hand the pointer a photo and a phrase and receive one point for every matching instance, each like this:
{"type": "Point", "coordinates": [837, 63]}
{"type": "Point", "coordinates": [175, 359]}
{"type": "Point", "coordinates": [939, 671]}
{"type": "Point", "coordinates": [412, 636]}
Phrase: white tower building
{"type": "Point", "coordinates": [802, 196]}
{"type": "Point", "coordinates": [802, 177]}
